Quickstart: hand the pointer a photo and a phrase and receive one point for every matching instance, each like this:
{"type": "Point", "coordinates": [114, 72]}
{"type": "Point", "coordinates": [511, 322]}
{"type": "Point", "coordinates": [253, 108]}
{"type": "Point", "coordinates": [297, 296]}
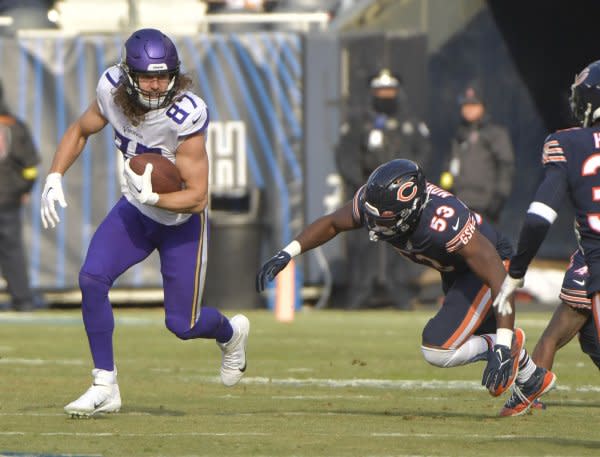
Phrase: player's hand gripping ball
{"type": "Point", "coordinates": [165, 176]}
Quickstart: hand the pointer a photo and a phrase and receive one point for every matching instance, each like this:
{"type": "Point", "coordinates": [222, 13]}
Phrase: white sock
{"type": "Point", "coordinates": [526, 367]}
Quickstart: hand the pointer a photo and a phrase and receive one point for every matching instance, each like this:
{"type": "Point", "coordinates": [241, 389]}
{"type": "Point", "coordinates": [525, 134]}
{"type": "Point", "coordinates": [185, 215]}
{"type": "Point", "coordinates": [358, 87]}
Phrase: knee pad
{"type": "Point", "coordinates": [438, 357]}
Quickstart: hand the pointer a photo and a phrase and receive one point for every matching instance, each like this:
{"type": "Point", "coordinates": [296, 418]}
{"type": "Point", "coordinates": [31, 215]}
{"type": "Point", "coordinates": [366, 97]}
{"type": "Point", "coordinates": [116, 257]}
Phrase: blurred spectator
{"type": "Point", "coordinates": [18, 161]}
{"type": "Point", "coordinates": [239, 7]}
{"type": "Point", "coordinates": [384, 131]}
{"type": "Point", "coordinates": [480, 168]}
{"type": "Point", "coordinates": [26, 14]}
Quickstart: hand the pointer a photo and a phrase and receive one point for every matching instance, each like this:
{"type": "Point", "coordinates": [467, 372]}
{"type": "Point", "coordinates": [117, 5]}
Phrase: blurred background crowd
{"type": "Point", "coordinates": [306, 99]}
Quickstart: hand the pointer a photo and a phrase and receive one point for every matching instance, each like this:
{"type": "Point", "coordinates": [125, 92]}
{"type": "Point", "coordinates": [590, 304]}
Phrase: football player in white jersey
{"type": "Point", "coordinates": [146, 101]}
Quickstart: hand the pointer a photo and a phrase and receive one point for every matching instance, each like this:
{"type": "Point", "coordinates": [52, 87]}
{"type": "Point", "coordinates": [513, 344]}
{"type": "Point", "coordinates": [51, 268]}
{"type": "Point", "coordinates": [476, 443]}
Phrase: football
{"type": "Point", "coordinates": [165, 175]}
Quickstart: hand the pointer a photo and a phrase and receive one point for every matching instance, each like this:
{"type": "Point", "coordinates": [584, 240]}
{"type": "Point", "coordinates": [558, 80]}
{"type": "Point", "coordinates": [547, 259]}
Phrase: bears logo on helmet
{"type": "Point", "coordinates": [393, 199]}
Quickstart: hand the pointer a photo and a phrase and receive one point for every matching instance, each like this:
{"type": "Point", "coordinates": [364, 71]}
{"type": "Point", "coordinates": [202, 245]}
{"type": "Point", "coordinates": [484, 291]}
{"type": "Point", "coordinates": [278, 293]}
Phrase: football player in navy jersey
{"type": "Point", "coordinates": [146, 102]}
{"type": "Point", "coordinates": [432, 227]}
{"type": "Point", "coordinates": [571, 161]}
{"type": "Point", "coordinates": [573, 316]}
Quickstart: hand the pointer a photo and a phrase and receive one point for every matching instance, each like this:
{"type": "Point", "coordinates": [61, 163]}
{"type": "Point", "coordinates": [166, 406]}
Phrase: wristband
{"type": "Point", "coordinates": [293, 249]}
{"type": "Point", "coordinates": [504, 336]}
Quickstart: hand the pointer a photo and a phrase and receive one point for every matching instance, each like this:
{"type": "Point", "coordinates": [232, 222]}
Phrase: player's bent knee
{"type": "Point", "coordinates": [179, 328]}
{"type": "Point", "coordinates": [438, 357]}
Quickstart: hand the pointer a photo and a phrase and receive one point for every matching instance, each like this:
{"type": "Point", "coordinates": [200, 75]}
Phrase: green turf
{"type": "Point", "coordinates": [314, 387]}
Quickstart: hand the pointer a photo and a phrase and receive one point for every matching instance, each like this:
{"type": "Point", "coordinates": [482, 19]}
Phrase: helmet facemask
{"type": "Point", "coordinates": [393, 200]}
{"type": "Point", "coordinates": [149, 99]}
{"type": "Point", "coordinates": [387, 225]}
{"type": "Point", "coordinates": [585, 95]}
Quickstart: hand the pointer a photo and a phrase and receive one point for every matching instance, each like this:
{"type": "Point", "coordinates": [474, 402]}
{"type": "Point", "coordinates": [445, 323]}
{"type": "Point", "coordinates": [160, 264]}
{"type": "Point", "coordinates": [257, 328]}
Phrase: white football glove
{"type": "Point", "coordinates": [502, 300]}
{"type": "Point", "coordinates": [140, 186]}
{"type": "Point", "coordinates": [53, 192]}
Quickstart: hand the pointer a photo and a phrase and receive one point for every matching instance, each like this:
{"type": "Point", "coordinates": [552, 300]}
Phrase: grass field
{"type": "Point", "coordinates": [332, 383]}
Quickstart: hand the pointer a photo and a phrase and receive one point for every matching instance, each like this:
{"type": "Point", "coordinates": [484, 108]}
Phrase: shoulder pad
{"type": "Point", "coordinates": [107, 84]}
{"type": "Point", "coordinates": [110, 79]}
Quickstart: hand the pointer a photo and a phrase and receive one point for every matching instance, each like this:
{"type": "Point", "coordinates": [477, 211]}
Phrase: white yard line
{"type": "Point", "coordinates": [119, 434]}
{"type": "Point", "coordinates": [22, 361]}
{"type": "Point", "coordinates": [401, 384]}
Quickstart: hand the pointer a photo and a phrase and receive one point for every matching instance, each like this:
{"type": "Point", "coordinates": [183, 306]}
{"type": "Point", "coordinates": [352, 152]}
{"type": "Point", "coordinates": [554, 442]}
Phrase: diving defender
{"type": "Point", "coordinates": [432, 227]}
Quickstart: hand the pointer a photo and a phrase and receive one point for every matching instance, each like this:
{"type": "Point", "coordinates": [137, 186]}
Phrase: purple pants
{"type": "Point", "coordinates": [125, 238]}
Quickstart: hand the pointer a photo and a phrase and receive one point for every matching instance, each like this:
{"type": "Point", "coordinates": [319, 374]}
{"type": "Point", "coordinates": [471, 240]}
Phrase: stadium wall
{"type": "Point", "coordinates": [252, 85]}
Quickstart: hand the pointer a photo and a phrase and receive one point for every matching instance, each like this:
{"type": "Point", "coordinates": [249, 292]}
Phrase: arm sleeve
{"type": "Point", "coordinates": [108, 82]}
{"type": "Point", "coordinates": [540, 216]}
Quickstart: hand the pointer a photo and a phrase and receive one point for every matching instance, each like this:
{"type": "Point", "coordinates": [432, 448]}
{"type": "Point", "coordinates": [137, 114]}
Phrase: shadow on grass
{"type": "Point", "coordinates": [572, 404]}
{"type": "Point", "coordinates": [158, 411]}
{"type": "Point", "coordinates": [408, 415]}
{"type": "Point", "coordinates": [554, 441]}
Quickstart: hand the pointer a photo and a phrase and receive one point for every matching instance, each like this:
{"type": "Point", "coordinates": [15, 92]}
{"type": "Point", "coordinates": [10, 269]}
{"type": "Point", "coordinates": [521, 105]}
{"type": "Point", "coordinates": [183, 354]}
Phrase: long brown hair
{"type": "Point", "coordinates": [133, 110]}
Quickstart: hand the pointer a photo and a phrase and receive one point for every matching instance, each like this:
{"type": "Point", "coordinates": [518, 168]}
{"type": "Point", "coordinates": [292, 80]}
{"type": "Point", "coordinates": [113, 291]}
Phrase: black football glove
{"type": "Point", "coordinates": [271, 268]}
{"type": "Point", "coordinates": [498, 369]}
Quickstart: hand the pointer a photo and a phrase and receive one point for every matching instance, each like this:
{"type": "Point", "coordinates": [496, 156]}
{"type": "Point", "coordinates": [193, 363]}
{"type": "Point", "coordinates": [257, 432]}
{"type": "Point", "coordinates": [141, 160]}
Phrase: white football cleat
{"type": "Point", "coordinates": [102, 397]}
{"type": "Point", "coordinates": [233, 361]}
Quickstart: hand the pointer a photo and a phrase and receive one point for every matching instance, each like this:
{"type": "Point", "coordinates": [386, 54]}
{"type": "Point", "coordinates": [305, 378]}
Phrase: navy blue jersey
{"type": "Point", "coordinates": [573, 155]}
{"type": "Point", "coordinates": [445, 226]}
{"type": "Point", "coordinates": [571, 160]}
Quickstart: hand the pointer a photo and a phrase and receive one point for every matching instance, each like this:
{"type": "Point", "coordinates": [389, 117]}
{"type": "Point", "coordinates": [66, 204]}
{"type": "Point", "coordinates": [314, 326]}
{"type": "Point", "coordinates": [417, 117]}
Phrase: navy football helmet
{"type": "Point", "coordinates": [149, 52]}
{"type": "Point", "coordinates": [585, 95]}
{"type": "Point", "coordinates": [393, 199]}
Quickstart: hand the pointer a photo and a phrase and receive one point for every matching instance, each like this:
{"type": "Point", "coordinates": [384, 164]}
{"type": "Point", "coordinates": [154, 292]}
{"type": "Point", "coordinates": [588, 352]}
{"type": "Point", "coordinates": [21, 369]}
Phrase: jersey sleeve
{"type": "Point", "coordinates": [553, 188]}
{"type": "Point", "coordinates": [190, 113]}
{"type": "Point", "coordinates": [462, 234]}
{"type": "Point", "coordinates": [451, 224]}
{"type": "Point", "coordinates": [107, 84]}
{"type": "Point", "coordinates": [543, 211]}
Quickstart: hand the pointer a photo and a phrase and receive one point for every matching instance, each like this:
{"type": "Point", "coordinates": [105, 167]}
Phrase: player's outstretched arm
{"type": "Point", "coordinates": [313, 235]}
{"type": "Point", "coordinates": [69, 148]}
{"type": "Point", "coordinates": [485, 262]}
{"type": "Point", "coordinates": [541, 214]}
{"type": "Point", "coordinates": [483, 259]}
{"type": "Point", "coordinates": [75, 137]}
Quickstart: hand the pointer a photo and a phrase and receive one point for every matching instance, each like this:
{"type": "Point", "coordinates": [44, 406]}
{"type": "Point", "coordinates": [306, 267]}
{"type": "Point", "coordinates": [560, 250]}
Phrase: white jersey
{"type": "Point", "coordinates": [161, 131]}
